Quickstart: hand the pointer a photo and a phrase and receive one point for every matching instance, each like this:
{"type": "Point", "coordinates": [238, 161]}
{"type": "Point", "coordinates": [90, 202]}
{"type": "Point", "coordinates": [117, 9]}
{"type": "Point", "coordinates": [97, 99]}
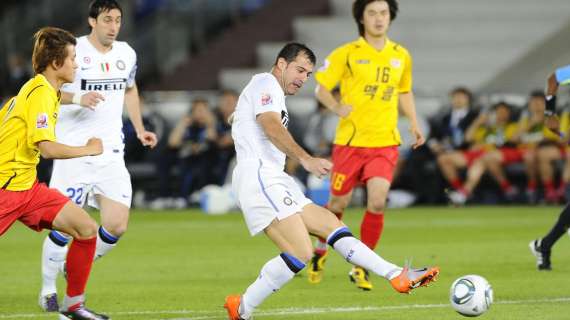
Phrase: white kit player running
{"type": "Point", "coordinates": [104, 82]}
{"type": "Point", "coordinates": [272, 202]}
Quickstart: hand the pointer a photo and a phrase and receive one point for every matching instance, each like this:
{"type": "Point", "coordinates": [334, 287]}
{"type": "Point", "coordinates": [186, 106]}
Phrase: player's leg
{"type": "Point", "coordinates": [541, 248]}
{"type": "Point", "coordinates": [321, 222]}
{"type": "Point", "coordinates": [292, 239]}
{"type": "Point", "coordinates": [69, 177]}
{"type": "Point", "coordinates": [315, 271]}
{"type": "Point", "coordinates": [54, 252]}
{"type": "Point", "coordinates": [74, 221]}
{"type": "Point", "coordinates": [112, 195]}
{"type": "Point", "coordinates": [114, 222]}
{"type": "Point", "coordinates": [377, 173]}
{"type": "Point", "coordinates": [347, 165]}
{"type": "Point", "coordinates": [371, 226]}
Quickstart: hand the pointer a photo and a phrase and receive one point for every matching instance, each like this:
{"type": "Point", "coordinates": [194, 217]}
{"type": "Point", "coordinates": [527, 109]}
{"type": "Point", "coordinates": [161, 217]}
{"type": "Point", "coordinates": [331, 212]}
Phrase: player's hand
{"type": "Point", "coordinates": [553, 123]}
{"type": "Point", "coordinates": [420, 140]}
{"type": "Point", "coordinates": [91, 99]}
{"type": "Point", "coordinates": [343, 110]}
{"type": "Point", "coordinates": [148, 139]}
{"type": "Point", "coordinates": [317, 166]}
{"type": "Point", "coordinates": [95, 146]}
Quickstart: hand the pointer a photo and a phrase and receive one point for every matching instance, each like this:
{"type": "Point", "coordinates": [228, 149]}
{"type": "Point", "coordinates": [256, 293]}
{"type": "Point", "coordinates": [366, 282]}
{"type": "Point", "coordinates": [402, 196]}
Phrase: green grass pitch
{"type": "Point", "coordinates": [181, 265]}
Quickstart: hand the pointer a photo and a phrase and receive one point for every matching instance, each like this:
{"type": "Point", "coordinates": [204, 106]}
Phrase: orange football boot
{"type": "Point", "coordinates": [410, 279]}
{"type": "Point", "coordinates": [232, 306]}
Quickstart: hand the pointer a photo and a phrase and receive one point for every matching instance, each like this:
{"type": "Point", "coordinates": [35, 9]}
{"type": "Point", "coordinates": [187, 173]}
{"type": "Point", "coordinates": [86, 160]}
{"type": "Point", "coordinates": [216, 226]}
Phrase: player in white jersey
{"type": "Point", "coordinates": [273, 203]}
{"type": "Point", "coordinates": [104, 82]}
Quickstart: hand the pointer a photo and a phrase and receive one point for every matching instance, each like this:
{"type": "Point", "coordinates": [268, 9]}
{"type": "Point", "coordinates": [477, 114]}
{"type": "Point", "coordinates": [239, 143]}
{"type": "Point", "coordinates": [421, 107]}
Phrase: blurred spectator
{"type": "Point", "coordinates": [17, 75]}
{"type": "Point", "coordinates": [134, 150]}
{"type": "Point", "coordinates": [191, 145]}
{"type": "Point", "coordinates": [535, 138]}
{"type": "Point", "coordinates": [448, 134]}
{"type": "Point", "coordinates": [448, 131]}
{"type": "Point", "coordinates": [224, 143]}
{"type": "Point", "coordinates": [491, 133]}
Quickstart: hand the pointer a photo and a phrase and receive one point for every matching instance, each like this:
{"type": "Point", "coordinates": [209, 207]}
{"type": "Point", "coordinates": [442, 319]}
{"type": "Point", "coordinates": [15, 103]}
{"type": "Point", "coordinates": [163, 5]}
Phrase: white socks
{"type": "Point", "coordinates": [274, 274]}
{"type": "Point", "coordinates": [55, 251]}
{"type": "Point", "coordinates": [357, 253]}
{"type": "Point", "coordinates": [102, 247]}
{"type": "Point", "coordinates": [53, 259]}
{"type": "Point", "coordinates": [105, 242]}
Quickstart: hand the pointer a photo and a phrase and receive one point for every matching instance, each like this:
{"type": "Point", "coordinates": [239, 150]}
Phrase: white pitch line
{"type": "Point", "coordinates": [213, 314]}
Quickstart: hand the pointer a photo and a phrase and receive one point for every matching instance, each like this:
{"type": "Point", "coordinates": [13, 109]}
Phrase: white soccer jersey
{"type": "Point", "coordinates": [262, 94]}
{"type": "Point", "coordinates": [109, 74]}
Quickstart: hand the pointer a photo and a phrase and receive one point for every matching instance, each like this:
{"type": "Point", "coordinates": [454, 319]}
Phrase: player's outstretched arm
{"type": "Point", "coordinates": [87, 100]}
{"type": "Point", "coordinates": [408, 107]}
{"type": "Point", "coordinates": [55, 150]}
{"type": "Point", "coordinates": [282, 139]}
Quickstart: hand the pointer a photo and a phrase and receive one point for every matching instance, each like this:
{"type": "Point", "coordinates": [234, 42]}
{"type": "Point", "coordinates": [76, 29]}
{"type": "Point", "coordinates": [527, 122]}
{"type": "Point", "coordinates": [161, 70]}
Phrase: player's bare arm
{"type": "Point", "coordinates": [55, 150]}
{"type": "Point", "coordinates": [282, 139]}
{"type": "Point", "coordinates": [132, 102]}
{"type": "Point", "coordinates": [479, 121]}
{"type": "Point", "coordinates": [87, 100]}
{"type": "Point", "coordinates": [408, 107]}
{"type": "Point", "coordinates": [328, 100]}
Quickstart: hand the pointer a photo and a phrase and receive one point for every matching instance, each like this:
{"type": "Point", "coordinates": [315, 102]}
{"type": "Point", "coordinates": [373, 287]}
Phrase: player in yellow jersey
{"type": "Point", "coordinates": [27, 131]}
{"type": "Point", "coordinates": [375, 78]}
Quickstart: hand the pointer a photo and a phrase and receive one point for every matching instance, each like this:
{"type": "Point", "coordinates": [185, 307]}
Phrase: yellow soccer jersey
{"type": "Point", "coordinates": [28, 119]}
{"type": "Point", "coordinates": [491, 137]}
{"type": "Point", "coordinates": [539, 132]}
{"type": "Point", "coordinates": [370, 82]}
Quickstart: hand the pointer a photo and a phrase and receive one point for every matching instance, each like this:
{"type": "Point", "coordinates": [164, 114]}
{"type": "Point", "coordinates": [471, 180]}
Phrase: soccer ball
{"type": "Point", "coordinates": [471, 295]}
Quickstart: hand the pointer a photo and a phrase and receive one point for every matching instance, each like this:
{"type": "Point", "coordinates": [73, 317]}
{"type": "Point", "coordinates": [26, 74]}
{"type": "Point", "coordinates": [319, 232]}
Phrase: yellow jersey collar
{"type": "Point", "coordinates": [362, 42]}
{"type": "Point", "coordinates": [40, 79]}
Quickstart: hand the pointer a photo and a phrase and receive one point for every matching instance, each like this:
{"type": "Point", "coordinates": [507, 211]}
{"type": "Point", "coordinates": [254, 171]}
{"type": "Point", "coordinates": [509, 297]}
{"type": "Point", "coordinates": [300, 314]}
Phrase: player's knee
{"type": "Point", "coordinates": [86, 230]}
{"type": "Point", "coordinates": [376, 205]}
{"type": "Point", "coordinates": [305, 254]}
{"type": "Point", "coordinates": [338, 204]}
{"type": "Point", "coordinates": [117, 229]}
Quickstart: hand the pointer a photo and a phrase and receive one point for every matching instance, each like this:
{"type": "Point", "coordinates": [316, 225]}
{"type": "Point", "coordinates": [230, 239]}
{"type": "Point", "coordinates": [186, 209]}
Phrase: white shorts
{"type": "Point", "coordinates": [265, 194]}
{"type": "Point", "coordinates": [82, 178]}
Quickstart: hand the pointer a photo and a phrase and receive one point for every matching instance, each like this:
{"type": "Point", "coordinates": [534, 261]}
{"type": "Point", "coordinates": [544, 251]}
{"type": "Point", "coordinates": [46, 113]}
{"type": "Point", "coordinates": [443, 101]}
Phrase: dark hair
{"type": "Point", "coordinates": [537, 94]}
{"type": "Point", "coordinates": [465, 91]}
{"type": "Point", "coordinates": [229, 92]}
{"type": "Point", "coordinates": [200, 100]}
{"type": "Point", "coordinates": [98, 6]}
{"type": "Point", "coordinates": [501, 104]}
{"type": "Point", "coordinates": [292, 49]}
{"type": "Point", "coordinates": [50, 44]}
{"type": "Point", "coordinates": [358, 11]}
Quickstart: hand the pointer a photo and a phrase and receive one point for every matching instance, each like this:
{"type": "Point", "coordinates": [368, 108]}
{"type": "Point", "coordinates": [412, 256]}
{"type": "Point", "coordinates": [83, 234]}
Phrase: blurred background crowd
{"type": "Point", "coordinates": [479, 70]}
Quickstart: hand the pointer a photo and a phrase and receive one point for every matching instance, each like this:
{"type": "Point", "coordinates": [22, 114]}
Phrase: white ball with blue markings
{"type": "Point", "coordinates": [471, 295]}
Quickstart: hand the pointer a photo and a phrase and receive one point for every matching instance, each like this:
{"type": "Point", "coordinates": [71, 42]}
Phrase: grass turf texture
{"type": "Point", "coordinates": [181, 265]}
